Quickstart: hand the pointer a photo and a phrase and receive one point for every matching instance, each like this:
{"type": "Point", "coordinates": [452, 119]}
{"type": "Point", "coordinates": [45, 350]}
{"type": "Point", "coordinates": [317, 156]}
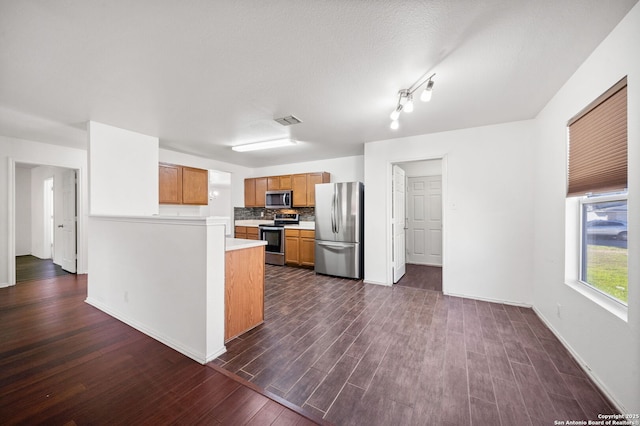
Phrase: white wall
{"type": "Point", "coordinates": [608, 345]}
{"type": "Point", "coordinates": [124, 171]}
{"type": "Point", "coordinates": [23, 211]}
{"type": "Point", "coordinates": [23, 151]}
{"type": "Point", "coordinates": [487, 208]}
{"type": "Point", "coordinates": [162, 276]}
{"type": "Point", "coordinates": [422, 168]}
{"type": "Point", "coordinates": [344, 169]}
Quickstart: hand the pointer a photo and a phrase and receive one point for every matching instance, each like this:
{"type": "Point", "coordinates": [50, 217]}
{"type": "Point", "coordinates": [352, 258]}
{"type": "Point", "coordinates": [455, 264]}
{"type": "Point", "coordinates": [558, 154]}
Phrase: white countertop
{"type": "Point", "coordinates": [240, 243]}
{"type": "Point", "coordinates": [308, 225]}
{"type": "Point", "coordinates": [252, 222]}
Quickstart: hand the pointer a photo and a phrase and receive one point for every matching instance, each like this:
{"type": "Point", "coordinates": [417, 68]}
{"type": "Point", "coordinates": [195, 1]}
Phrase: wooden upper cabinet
{"type": "Point", "coordinates": [183, 185]}
{"type": "Point", "coordinates": [273, 183]}
{"type": "Point", "coordinates": [304, 188]}
{"type": "Point", "coordinates": [299, 188]}
{"type": "Point", "coordinates": [254, 192]}
{"type": "Point", "coordinates": [170, 180]}
{"type": "Point", "coordinates": [261, 189]}
{"type": "Point", "coordinates": [312, 180]}
{"type": "Point", "coordinates": [195, 186]}
{"type": "Point", "coordinates": [285, 182]}
{"type": "Point", "coordinates": [302, 185]}
{"type": "Point", "coordinates": [249, 192]}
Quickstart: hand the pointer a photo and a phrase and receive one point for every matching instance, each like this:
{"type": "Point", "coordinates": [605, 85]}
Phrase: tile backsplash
{"type": "Point", "coordinates": [307, 214]}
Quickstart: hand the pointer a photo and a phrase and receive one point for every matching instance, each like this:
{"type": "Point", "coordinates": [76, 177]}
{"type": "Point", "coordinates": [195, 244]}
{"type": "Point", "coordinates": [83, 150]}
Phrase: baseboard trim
{"type": "Point", "coordinates": [583, 365]}
{"type": "Point", "coordinates": [488, 299]}
{"type": "Point", "coordinates": [3, 285]}
{"type": "Point", "coordinates": [194, 355]}
{"type": "Point", "coordinates": [376, 283]}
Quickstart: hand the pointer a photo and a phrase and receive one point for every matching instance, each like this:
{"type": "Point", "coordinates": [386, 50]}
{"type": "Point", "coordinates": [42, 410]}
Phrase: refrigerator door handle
{"type": "Point", "coordinates": [335, 245]}
{"type": "Point", "coordinates": [333, 212]}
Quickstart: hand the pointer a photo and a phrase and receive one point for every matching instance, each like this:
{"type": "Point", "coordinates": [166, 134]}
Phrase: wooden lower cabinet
{"type": "Point", "coordinates": [243, 291]}
{"type": "Point", "coordinates": [247, 232]}
{"type": "Point", "coordinates": [299, 247]}
{"type": "Point", "coordinates": [307, 248]}
{"type": "Point", "coordinates": [292, 247]}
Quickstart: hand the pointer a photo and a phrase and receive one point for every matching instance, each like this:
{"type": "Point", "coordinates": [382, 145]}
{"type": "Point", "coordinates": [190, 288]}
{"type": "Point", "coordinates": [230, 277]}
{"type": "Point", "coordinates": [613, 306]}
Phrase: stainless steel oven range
{"type": "Point", "coordinates": [274, 236]}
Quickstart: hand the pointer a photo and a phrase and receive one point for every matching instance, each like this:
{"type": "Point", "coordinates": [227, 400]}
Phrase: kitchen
{"type": "Point", "coordinates": [170, 279]}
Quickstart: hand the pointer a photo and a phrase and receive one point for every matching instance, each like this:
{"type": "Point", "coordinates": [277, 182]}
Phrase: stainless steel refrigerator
{"type": "Point", "coordinates": [339, 214]}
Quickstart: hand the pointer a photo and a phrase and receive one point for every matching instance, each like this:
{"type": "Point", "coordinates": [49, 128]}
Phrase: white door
{"type": "Point", "coordinates": [424, 239]}
{"type": "Point", "coordinates": [68, 243]}
{"type": "Point", "coordinates": [398, 224]}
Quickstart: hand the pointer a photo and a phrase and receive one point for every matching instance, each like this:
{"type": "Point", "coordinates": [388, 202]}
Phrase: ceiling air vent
{"type": "Point", "coordinates": [289, 120]}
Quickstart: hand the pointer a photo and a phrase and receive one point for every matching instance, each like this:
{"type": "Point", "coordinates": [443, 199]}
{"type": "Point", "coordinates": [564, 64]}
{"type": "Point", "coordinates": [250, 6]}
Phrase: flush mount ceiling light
{"type": "Point", "coordinates": [276, 143]}
{"type": "Point", "coordinates": [405, 97]}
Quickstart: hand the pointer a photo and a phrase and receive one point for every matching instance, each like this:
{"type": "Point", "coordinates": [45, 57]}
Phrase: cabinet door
{"type": "Point", "coordinates": [261, 188]}
{"type": "Point", "coordinates": [285, 182]}
{"type": "Point", "coordinates": [170, 180]}
{"type": "Point", "coordinates": [299, 188]}
{"type": "Point", "coordinates": [291, 246]}
{"type": "Point", "coordinates": [253, 233]}
{"type": "Point", "coordinates": [195, 186]}
{"type": "Point", "coordinates": [241, 232]}
{"type": "Point", "coordinates": [312, 180]}
{"type": "Point", "coordinates": [249, 192]}
{"type": "Point", "coordinates": [307, 248]}
{"type": "Point", "coordinates": [273, 183]}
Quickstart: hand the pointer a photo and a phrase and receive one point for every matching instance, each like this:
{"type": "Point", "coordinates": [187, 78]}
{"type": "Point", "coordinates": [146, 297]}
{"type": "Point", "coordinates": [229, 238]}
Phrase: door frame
{"type": "Point", "coordinates": [389, 213]}
{"type": "Point", "coordinates": [11, 216]}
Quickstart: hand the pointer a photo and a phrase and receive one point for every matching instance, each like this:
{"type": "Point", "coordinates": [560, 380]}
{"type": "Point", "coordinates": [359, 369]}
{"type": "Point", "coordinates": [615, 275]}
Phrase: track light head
{"type": "Point", "coordinates": [408, 105]}
{"type": "Point", "coordinates": [425, 96]}
{"type": "Point", "coordinates": [396, 113]}
{"type": "Point", "coordinates": [394, 125]}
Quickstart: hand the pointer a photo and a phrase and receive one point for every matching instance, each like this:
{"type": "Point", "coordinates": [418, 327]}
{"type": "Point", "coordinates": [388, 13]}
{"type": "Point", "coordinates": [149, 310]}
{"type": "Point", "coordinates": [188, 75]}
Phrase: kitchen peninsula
{"type": "Point", "coordinates": [165, 276]}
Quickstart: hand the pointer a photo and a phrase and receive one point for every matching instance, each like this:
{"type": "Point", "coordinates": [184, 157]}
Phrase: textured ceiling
{"type": "Point", "coordinates": [206, 75]}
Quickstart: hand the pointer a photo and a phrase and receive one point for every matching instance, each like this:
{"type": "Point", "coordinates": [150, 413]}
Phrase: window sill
{"type": "Point", "coordinates": [617, 309]}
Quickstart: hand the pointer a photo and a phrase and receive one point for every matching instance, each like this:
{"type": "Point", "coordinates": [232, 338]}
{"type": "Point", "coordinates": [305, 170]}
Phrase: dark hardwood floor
{"type": "Point", "coordinates": [64, 362]}
{"type": "Point", "coordinates": [422, 276]}
{"type": "Point", "coordinates": [29, 268]}
{"type": "Point", "coordinates": [359, 354]}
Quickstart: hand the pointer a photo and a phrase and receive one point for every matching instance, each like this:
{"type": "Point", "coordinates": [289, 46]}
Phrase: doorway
{"type": "Point", "coordinates": [422, 237]}
{"type": "Point", "coordinates": [45, 221]}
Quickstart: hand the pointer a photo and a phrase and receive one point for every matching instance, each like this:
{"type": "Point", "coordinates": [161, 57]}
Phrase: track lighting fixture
{"type": "Point", "coordinates": [405, 98]}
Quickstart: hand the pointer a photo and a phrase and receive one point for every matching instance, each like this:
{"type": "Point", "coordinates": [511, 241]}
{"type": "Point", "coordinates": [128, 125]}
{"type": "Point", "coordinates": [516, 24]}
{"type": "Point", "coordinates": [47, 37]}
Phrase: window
{"type": "Point", "coordinates": [597, 177]}
{"type": "Point", "coordinates": [604, 244]}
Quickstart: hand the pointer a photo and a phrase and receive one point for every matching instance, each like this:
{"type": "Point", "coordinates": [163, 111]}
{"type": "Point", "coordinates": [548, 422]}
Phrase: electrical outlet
{"type": "Point", "coordinates": [559, 308]}
{"type": "Point", "coordinates": [126, 296]}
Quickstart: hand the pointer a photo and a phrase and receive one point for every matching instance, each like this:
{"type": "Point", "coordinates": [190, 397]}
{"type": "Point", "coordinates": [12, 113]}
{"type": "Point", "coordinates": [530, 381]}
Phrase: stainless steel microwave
{"type": "Point", "coordinates": [278, 199]}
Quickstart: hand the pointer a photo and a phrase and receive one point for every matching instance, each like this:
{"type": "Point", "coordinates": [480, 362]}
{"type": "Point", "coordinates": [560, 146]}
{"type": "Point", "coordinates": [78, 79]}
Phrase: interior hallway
{"type": "Point", "coordinates": [29, 268]}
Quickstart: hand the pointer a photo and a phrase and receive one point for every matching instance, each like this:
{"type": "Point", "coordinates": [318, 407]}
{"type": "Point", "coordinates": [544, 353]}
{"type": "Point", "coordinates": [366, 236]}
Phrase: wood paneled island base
{"type": "Point", "coordinates": [244, 290]}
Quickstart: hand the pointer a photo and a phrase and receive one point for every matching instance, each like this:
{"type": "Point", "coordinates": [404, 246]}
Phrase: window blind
{"type": "Point", "coordinates": [598, 144]}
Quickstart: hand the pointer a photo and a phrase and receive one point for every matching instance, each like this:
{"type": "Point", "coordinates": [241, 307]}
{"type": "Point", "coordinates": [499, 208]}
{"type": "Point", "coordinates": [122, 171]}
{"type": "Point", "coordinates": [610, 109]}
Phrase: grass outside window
{"type": "Point", "coordinates": [607, 270]}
